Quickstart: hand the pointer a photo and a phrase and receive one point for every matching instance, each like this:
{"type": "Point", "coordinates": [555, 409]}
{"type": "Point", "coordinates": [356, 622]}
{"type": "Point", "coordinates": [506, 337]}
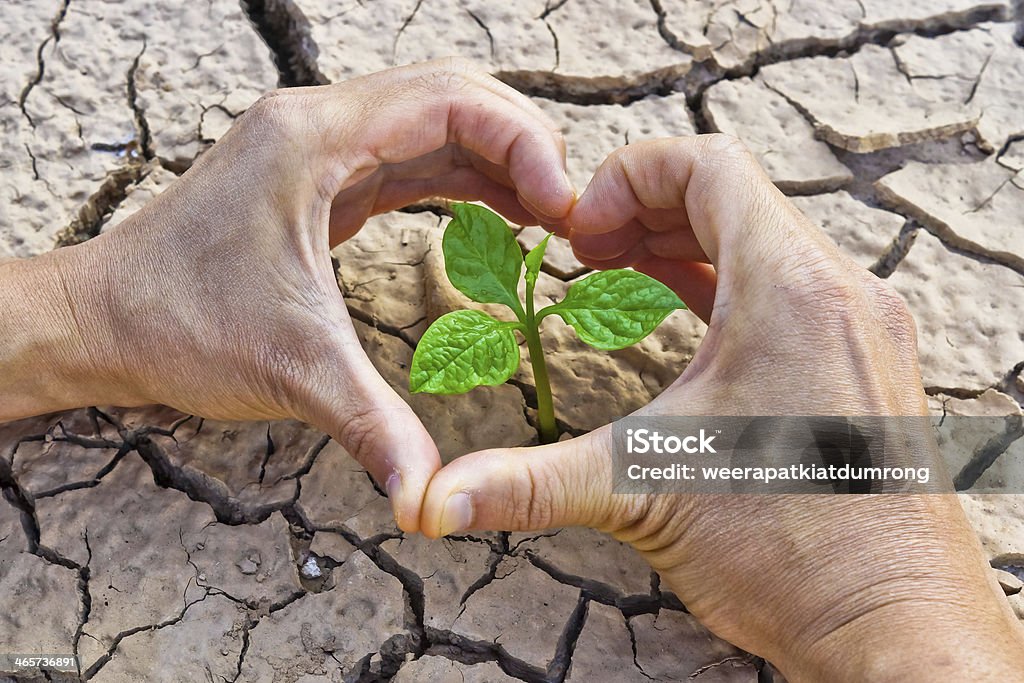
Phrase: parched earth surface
{"type": "Point", "coordinates": [161, 546]}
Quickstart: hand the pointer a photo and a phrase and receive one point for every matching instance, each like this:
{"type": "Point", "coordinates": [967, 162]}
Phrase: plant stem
{"type": "Point", "coordinates": [547, 428]}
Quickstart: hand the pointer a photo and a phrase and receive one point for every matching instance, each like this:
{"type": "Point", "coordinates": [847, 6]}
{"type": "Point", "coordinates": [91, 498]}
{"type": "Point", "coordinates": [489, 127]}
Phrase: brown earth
{"type": "Point", "coordinates": [160, 546]}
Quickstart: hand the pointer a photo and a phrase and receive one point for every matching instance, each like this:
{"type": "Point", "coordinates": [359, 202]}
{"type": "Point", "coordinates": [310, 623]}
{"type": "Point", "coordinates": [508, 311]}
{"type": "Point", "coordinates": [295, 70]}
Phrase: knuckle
{"type": "Point", "coordinates": [812, 292]}
{"type": "Point", "coordinates": [457, 65]}
{"type": "Point", "coordinates": [447, 75]}
{"type": "Point", "coordinates": [725, 148]}
{"type": "Point", "coordinates": [276, 116]}
{"type": "Point", "coordinates": [892, 310]}
{"type": "Point", "coordinates": [620, 154]}
{"type": "Point", "coordinates": [847, 301]}
{"type": "Point", "coordinates": [650, 175]}
{"type": "Point", "coordinates": [829, 282]}
{"type": "Point", "coordinates": [726, 158]}
{"type": "Point", "coordinates": [639, 154]}
{"type": "Point", "coordinates": [725, 177]}
{"type": "Point", "coordinates": [270, 107]}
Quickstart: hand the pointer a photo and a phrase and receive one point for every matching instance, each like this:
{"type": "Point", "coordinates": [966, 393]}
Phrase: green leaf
{"type": "Point", "coordinates": [533, 260]}
{"type": "Point", "coordinates": [613, 309]}
{"type": "Point", "coordinates": [462, 350]}
{"type": "Point", "coordinates": [481, 256]}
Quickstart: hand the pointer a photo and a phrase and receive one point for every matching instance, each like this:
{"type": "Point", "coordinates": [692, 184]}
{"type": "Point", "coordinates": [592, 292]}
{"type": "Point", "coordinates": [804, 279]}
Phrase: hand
{"type": "Point", "coordinates": [826, 587]}
{"type": "Point", "coordinates": [220, 299]}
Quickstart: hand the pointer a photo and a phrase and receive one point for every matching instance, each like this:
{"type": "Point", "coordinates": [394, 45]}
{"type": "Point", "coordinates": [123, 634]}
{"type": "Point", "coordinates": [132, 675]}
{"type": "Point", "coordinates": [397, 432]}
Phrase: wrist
{"type": "Point", "coordinates": [944, 638]}
{"type": "Point", "coordinates": [55, 336]}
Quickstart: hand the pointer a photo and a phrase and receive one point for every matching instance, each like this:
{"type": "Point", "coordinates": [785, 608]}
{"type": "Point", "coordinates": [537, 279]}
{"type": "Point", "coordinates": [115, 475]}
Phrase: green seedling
{"type": "Point", "coordinates": [609, 310]}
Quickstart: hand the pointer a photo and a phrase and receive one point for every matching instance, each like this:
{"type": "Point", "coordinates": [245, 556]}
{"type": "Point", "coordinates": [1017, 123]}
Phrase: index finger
{"type": "Point", "coordinates": [405, 113]}
{"type": "Point", "coordinates": [740, 220]}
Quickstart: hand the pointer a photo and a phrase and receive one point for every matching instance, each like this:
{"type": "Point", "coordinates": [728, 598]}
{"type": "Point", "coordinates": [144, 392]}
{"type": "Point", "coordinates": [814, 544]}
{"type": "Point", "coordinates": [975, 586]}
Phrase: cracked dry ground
{"type": "Point", "coordinates": [159, 546]}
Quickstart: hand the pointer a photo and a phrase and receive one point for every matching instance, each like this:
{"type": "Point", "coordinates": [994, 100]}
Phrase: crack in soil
{"type": "Point", "coordinates": [694, 78]}
{"type": "Point", "coordinates": [550, 8]}
{"type": "Point", "coordinates": [1010, 141]}
{"type": "Point", "coordinates": [102, 204]}
{"type": "Point", "coordinates": [986, 454]}
{"type": "Point", "coordinates": [200, 486]}
{"type": "Point", "coordinates": [558, 667]}
{"type": "Point", "coordinates": [401, 30]}
{"type": "Point", "coordinates": [597, 591]}
{"type": "Point", "coordinates": [37, 78]}
{"type": "Point", "coordinates": [245, 649]}
{"type": "Point", "coordinates": [288, 36]}
{"type": "Point", "coordinates": [633, 646]}
{"type": "Point", "coordinates": [585, 90]}
{"type": "Point", "coordinates": [22, 502]}
{"type": "Point", "coordinates": [35, 169]}
{"type": "Point", "coordinates": [85, 597]}
{"type": "Point", "coordinates": [490, 38]}
{"type": "Point", "coordinates": [498, 553]}
{"type": "Point", "coordinates": [271, 449]}
{"type": "Point", "coordinates": [529, 393]}
{"type": "Point", "coordinates": [741, 659]}
{"type": "Point", "coordinates": [466, 650]}
{"type": "Point", "coordinates": [413, 641]}
{"type": "Point", "coordinates": [946, 233]}
{"type": "Point", "coordinates": [122, 451]}
{"type": "Point", "coordinates": [138, 111]}
{"type": "Point", "coordinates": [881, 34]}
{"type": "Point", "coordinates": [121, 636]}
{"type": "Point", "coordinates": [380, 326]}
{"type": "Point", "coordinates": [887, 263]}
{"type": "Point", "coordinates": [955, 392]}
{"type": "Point", "coordinates": [420, 640]}
{"type": "Point", "coordinates": [286, 32]}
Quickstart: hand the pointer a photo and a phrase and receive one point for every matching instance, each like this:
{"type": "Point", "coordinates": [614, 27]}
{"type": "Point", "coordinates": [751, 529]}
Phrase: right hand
{"type": "Point", "coordinates": [831, 588]}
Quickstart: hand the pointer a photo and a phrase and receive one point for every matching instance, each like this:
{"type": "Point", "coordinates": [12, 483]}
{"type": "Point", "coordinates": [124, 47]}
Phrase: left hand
{"type": "Point", "coordinates": [219, 297]}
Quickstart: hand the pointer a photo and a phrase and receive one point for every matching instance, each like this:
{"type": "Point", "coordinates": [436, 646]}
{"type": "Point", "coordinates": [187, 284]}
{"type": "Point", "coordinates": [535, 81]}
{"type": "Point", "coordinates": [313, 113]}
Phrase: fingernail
{"type": "Point", "coordinates": [394, 487]}
{"type": "Point", "coordinates": [457, 514]}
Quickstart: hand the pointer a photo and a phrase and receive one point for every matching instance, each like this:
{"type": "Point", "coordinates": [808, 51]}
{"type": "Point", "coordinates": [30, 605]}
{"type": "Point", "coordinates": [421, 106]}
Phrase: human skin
{"type": "Point", "coordinates": [219, 298]}
{"type": "Point", "coordinates": [828, 588]}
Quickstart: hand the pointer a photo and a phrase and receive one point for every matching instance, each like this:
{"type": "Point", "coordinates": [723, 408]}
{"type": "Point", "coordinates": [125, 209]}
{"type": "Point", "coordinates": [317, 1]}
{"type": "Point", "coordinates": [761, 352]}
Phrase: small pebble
{"type": "Point", "coordinates": [247, 567]}
{"type": "Point", "coordinates": [310, 569]}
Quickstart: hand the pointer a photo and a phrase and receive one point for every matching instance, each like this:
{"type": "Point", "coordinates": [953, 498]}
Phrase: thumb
{"type": "Point", "coordinates": [523, 489]}
{"type": "Point", "coordinates": [365, 415]}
